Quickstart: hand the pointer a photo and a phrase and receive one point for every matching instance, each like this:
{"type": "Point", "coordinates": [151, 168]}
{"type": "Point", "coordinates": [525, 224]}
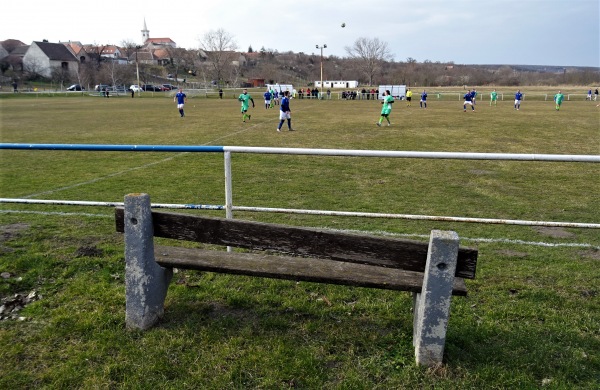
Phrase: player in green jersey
{"type": "Point", "coordinates": [558, 99]}
{"type": "Point", "coordinates": [387, 102]}
{"type": "Point", "coordinates": [494, 98]}
{"type": "Point", "coordinates": [245, 98]}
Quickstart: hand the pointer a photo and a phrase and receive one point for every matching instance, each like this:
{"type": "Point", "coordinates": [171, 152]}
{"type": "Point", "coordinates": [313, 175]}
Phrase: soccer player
{"type": "Point", "coordinates": [518, 97]}
{"type": "Point", "coordinates": [468, 100]}
{"type": "Point", "coordinates": [494, 98]}
{"type": "Point", "coordinates": [285, 112]}
{"type": "Point", "coordinates": [245, 98]}
{"type": "Point", "coordinates": [589, 95]}
{"type": "Point", "coordinates": [272, 100]}
{"type": "Point", "coordinates": [387, 102]}
{"type": "Point", "coordinates": [423, 101]}
{"type": "Point", "coordinates": [408, 97]}
{"type": "Point", "coordinates": [558, 99]}
{"type": "Point", "coordinates": [473, 95]}
{"type": "Point", "coordinates": [267, 96]}
{"type": "Point", "coordinates": [180, 98]}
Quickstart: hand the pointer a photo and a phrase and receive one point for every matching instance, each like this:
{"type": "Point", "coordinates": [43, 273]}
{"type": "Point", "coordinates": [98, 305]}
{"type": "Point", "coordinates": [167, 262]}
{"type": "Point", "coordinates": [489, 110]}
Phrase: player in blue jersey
{"type": "Point", "coordinates": [268, 97]}
{"type": "Point", "coordinates": [468, 100]}
{"type": "Point", "coordinates": [423, 101]}
{"type": "Point", "coordinates": [518, 98]}
{"type": "Point", "coordinates": [473, 95]}
{"type": "Point", "coordinates": [285, 112]}
{"type": "Point", "coordinates": [180, 98]}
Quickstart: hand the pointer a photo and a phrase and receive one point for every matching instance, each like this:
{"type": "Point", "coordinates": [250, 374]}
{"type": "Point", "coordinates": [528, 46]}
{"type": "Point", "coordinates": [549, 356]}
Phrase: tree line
{"type": "Point", "coordinates": [369, 61]}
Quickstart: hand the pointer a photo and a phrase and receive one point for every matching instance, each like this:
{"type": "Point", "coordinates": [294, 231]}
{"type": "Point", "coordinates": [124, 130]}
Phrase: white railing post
{"type": "Point", "coordinates": [228, 190]}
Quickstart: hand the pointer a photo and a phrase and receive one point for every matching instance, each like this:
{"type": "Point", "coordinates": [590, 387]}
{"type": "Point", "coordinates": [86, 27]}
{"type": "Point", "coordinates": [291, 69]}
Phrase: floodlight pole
{"type": "Point", "coordinates": [324, 46]}
{"type": "Point", "coordinates": [137, 70]}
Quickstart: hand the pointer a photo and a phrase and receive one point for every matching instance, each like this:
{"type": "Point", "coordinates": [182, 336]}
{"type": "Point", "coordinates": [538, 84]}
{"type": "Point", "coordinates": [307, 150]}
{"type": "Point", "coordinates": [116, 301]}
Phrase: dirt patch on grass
{"type": "Point", "coordinates": [593, 254]}
{"type": "Point", "coordinates": [480, 172]}
{"type": "Point", "coordinates": [88, 251]}
{"type": "Point", "coordinates": [555, 232]}
{"type": "Point", "coordinates": [511, 253]}
{"type": "Point", "coordinates": [9, 232]}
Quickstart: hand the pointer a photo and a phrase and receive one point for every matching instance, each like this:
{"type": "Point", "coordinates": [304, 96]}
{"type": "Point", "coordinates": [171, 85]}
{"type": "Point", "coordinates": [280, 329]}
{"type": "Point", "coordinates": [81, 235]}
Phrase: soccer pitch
{"type": "Point", "coordinates": [484, 189]}
{"type": "Point", "coordinates": [534, 297]}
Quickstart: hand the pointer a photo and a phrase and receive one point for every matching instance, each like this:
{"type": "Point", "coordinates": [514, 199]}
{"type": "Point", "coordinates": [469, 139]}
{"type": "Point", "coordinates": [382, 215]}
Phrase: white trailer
{"type": "Point", "coordinates": [397, 91]}
{"type": "Point", "coordinates": [281, 87]}
{"type": "Point", "coordinates": [337, 84]}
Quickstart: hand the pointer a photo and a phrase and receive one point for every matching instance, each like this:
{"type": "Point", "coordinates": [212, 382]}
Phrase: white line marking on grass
{"type": "Point", "coordinates": [104, 177]}
{"type": "Point", "coordinates": [486, 240]}
{"type": "Point", "coordinates": [135, 168]}
{"type": "Point", "coordinates": [383, 233]}
{"type": "Point", "coordinates": [56, 213]}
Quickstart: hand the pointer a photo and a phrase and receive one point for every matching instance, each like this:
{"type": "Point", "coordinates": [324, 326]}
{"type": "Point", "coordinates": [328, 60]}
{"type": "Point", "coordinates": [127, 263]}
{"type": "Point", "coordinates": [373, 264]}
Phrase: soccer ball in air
{"type": "Point", "coordinates": [343, 25]}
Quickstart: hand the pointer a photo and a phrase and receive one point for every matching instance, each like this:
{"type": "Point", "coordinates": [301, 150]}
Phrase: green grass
{"type": "Point", "coordinates": [531, 319]}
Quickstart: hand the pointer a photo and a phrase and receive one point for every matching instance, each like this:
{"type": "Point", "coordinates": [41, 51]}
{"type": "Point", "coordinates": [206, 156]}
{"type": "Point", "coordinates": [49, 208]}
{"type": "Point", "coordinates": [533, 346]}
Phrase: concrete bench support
{"type": "Point", "coordinates": [432, 305]}
{"type": "Point", "coordinates": [146, 282]}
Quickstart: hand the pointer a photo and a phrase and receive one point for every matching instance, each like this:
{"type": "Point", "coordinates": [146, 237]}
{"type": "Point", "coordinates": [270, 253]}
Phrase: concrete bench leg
{"type": "Point", "coordinates": [146, 282]}
{"type": "Point", "coordinates": [432, 305]}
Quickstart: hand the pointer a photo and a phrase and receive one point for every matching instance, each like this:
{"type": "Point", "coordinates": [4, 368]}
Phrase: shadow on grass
{"type": "Point", "coordinates": [370, 325]}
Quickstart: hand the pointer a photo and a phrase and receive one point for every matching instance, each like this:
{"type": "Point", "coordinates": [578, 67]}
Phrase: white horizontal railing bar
{"type": "Point", "coordinates": [416, 154]}
{"type": "Point", "coordinates": [109, 204]}
{"type": "Point", "coordinates": [420, 217]}
{"type": "Point", "coordinates": [312, 212]}
{"type": "Point", "coordinates": [306, 151]}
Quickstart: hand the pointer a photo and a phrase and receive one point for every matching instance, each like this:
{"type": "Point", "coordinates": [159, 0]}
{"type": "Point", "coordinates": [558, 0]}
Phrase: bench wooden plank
{"type": "Point", "coordinates": [295, 268]}
{"type": "Point", "coordinates": [347, 247]}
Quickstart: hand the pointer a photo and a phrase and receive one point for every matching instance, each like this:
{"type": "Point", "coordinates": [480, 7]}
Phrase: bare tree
{"type": "Point", "coordinates": [370, 53]}
{"type": "Point", "coordinates": [219, 47]}
{"type": "Point", "coordinates": [180, 60]}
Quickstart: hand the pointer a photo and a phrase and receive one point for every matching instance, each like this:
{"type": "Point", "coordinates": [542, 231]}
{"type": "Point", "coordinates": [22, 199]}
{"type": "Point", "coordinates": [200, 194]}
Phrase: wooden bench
{"type": "Point", "coordinates": [432, 272]}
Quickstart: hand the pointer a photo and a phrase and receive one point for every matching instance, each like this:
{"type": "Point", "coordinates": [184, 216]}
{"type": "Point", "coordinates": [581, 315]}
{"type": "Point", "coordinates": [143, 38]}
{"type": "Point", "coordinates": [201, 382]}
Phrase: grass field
{"type": "Point", "coordinates": [532, 317]}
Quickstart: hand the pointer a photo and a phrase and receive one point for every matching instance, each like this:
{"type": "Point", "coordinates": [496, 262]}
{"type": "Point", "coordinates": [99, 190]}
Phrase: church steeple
{"type": "Point", "coordinates": [145, 33]}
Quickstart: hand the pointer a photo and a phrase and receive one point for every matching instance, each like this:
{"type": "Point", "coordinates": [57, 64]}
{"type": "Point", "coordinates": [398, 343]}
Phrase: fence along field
{"type": "Point", "coordinates": [527, 190]}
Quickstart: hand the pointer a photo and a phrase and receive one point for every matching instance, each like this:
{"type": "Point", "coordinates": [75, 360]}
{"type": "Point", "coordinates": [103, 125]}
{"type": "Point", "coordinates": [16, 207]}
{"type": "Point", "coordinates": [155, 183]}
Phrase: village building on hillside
{"type": "Point", "coordinates": [12, 52]}
{"type": "Point", "coordinates": [44, 57]}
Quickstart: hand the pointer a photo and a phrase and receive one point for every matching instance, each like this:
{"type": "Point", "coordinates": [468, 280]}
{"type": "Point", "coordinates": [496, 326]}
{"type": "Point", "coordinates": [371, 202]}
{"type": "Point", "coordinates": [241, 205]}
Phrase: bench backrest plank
{"type": "Point", "coordinates": [380, 251]}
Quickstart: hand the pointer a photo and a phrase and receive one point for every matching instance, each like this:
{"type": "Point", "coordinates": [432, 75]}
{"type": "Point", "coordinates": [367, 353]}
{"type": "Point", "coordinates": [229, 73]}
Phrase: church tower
{"type": "Point", "coordinates": [145, 33]}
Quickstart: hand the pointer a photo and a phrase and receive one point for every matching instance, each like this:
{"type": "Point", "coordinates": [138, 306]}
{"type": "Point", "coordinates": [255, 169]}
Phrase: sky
{"type": "Point", "coordinates": [511, 32]}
